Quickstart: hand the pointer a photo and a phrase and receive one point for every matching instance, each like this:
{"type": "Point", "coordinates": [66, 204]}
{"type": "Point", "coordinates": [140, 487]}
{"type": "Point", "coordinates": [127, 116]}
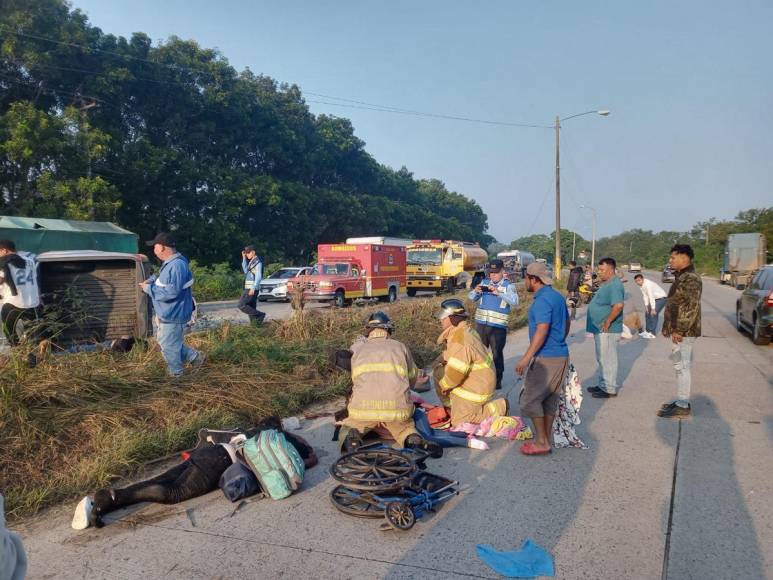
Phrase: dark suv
{"type": "Point", "coordinates": [754, 309]}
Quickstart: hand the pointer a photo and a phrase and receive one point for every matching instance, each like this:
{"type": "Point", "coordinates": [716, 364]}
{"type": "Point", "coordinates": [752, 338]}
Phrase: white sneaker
{"type": "Point", "coordinates": [80, 521]}
{"type": "Point", "coordinates": [647, 335]}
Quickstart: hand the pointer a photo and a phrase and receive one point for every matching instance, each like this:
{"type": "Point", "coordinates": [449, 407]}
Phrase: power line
{"type": "Point", "coordinates": [355, 104]}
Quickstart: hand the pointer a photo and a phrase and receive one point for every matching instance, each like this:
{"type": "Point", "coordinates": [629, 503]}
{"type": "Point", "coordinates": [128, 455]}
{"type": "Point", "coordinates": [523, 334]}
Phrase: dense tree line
{"type": "Point", "coordinates": [97, 126]}
{"type": "Point", "coordinates": [652, 248]}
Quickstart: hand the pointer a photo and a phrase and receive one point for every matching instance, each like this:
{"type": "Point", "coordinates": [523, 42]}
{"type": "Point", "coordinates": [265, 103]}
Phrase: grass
{"type": "Point", "coordinates": [74, 423]}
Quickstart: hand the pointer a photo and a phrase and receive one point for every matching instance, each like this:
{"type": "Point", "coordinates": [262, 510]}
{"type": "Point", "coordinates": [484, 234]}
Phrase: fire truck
{"type": "Point", "coordinates": [353, 272]}
{"type": "Point", "coordinates": [443, 266]}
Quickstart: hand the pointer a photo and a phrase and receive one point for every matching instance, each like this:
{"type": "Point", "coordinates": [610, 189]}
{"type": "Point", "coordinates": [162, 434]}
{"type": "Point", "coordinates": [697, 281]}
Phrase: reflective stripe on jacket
{"type": "Point", "coordinates": [383, 372]}
{"type": "Point", "coordinates": [469, 369]}
{"type": "Point", "coordinates": [494, 309]}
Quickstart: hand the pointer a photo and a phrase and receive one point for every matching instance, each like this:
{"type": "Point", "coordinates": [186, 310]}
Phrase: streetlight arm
{"type": "Point", "coordinates": [603, 113]}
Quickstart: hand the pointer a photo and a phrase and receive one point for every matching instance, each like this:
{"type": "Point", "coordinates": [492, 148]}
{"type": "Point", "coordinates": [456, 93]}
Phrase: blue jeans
{"type": "Point", "coordinates": [651, 320]}
{"type": "Point", "coordinates": [606, 356]}
{"type": "Point", "coordinates": [170, 338]}
{"type": "Point", "coordinates": [681, 356]}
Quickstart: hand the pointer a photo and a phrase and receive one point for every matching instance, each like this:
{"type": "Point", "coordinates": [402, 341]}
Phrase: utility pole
{"type": "Point", "coordinates": [574, 242]}
{"type": "Point", "coordinates": [557, 268]}
{"type": "Point", "coordinates": [707, 234]}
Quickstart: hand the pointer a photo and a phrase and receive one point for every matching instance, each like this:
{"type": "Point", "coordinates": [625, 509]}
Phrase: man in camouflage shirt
{"type": "Point", "coordinates": [682, 325]}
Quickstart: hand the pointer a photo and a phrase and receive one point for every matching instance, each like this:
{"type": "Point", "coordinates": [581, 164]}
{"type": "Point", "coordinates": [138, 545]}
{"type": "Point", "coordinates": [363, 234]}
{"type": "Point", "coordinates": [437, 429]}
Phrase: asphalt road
{"type": "Point", "coordinates": [651, 498]}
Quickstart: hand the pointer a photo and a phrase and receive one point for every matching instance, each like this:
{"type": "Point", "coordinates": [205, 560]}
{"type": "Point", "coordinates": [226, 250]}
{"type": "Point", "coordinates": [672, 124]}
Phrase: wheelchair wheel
{"type": "Point", "coordinates": [400, 515]}
{"type": "Point", "coordinates": [374, 470]}
{"type": "Point", "coordinates": [355, 503]}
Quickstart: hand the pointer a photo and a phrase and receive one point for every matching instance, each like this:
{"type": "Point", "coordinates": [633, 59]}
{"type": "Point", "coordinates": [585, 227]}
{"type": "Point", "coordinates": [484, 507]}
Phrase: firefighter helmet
{"type": "Point", "coordinates": [452, 307]}
{"type": "Point", "coordinates": [379, 320]}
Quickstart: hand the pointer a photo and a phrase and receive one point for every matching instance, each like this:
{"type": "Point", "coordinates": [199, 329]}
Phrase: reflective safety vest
{"type": "Point", "coordinates": [253, 273]}
{"type": "Point", "coordinates": [469, 369]}
{"type": "Point", "coordinates": [383, 372]}
{"type": "Point", "coordinates": [494, 310]}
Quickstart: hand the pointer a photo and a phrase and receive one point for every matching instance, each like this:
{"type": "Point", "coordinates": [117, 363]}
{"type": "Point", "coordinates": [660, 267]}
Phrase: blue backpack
{"type": "Point", "coordinates": [238, 482]}
{"type": "Point", "coordinates": [275, 462]}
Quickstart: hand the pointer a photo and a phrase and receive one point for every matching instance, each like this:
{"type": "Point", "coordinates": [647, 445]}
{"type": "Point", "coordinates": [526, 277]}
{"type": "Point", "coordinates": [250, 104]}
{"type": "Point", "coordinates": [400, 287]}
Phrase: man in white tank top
{"type": "Point", "coordinates": [19, 290]}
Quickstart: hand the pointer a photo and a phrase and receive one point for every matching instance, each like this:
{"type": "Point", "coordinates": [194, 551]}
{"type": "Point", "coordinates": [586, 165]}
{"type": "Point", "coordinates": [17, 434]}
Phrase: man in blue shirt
{"type": "Point", "coordinates": [497, 296]}
{"type": "Point", "coordinates": [547, 358]}
{"type": "Point", "coordinates": [172, 298]}
{"type": "Point", "coordinates": [605, 321]}
{"type": "Point", "coordinates": [252, 266]}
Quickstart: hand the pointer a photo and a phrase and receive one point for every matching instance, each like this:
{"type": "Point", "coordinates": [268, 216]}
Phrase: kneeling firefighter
{"type": "Point", "coordinates": [466, 379]}
{"type": "Point", "coordinates": [383, 372]}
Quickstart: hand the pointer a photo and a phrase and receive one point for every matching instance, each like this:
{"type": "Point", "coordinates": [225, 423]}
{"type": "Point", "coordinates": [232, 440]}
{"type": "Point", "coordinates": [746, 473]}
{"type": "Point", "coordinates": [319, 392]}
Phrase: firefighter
{"type": "Point", "coordinates": [465, 379]}
{"type": "Point", "coordinates": [497, 296]}
{"type": "Point", "coordinates": [252, 266]}
{"type": "Point", "coordinates": [383, 372]}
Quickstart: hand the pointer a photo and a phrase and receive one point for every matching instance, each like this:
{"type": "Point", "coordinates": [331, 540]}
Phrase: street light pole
{"type": "Point", "coordinates": [557, 261]}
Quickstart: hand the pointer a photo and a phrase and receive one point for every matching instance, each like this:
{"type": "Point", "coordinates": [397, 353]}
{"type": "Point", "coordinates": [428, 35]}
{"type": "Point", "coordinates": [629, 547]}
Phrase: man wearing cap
{"type": "Point", "coordinates": [383, 373]}
{"type": "Point", "coordinates": [497, 296]}
{"type": "Point", "coordinates": [172, 298]}
{"type": "Point", "coordinates": [466, 379]}
{"type": "Point", "coordinates": [252, 266]}
{"type": "Point", "coordinates": [547, 358]}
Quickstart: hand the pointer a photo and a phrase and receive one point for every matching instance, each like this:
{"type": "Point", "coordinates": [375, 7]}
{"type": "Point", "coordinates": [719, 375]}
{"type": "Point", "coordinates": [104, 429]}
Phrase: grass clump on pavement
{"type": "Point", "coordinates": [75, 422]}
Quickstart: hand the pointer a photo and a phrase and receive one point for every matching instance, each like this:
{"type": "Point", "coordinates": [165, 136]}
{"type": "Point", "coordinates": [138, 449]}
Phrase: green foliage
{"type": "Point", "coordinates": [544, 246]}
{"type": "Point", "coordinates": [216, 282]}
{"type": "Point", "coordinates": [171, 137]}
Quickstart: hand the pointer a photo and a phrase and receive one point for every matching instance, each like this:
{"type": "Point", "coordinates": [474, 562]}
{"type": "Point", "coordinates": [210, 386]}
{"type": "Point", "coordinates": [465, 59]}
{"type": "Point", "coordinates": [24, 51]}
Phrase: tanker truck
{"type": "Point", "coordinates": [515, 262]}
{"type": "Point", "coordinates": [443, 266]}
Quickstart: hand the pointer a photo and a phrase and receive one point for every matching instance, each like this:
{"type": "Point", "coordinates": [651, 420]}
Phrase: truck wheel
{"type": "Point", "coordinates": [392, 295]}
{"type": "Point", "coordinates": [340, 299]}
{"type": "Point", "coordinates": [411, 292]}
{"type": "Point", "coordinates": [757, 337]}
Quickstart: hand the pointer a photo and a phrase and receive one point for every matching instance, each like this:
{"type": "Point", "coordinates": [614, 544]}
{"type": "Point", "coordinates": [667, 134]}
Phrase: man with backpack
{"type": "Point", "coordinates": [383, 372]}
{"type": "Point", "coordinates": [19, 291]}
{"type": "Point", "coordinates": [172, 298]}
{"type": "Point", "coordinates": [201, 471]}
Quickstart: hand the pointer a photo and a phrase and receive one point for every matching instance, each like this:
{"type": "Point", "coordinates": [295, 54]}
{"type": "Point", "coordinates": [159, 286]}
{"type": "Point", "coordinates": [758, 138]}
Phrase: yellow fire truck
{"type": "Point", "coordinates": [443, 266]}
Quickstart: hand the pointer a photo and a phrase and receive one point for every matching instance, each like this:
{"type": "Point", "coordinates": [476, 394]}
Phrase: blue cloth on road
{"type": "Point", "coordinates": [609, 294]}
{"type": "Point", "coordinates": [549, 307]}
{"type": "Point", "coordinates": [528, 562]}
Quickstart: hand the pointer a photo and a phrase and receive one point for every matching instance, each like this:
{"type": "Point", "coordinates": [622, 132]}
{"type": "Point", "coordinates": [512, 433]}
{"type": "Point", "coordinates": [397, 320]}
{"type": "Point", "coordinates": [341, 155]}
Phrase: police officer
{"type": "Point", "coordinates": [383, 372]}
{"type": "Point", "coordinates": [497, 295]}
{"type": "Point", "coordinates": [252, 266]}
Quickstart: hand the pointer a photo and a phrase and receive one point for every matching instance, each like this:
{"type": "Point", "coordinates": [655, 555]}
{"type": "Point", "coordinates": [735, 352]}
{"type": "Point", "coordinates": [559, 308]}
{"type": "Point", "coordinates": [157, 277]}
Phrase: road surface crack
{"type": "Point", "coordinates": [669, 527]}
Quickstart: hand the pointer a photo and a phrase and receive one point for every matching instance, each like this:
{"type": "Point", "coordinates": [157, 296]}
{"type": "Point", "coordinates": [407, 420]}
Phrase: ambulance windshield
{"type": "Point", "coordinates": [424, 257]}
{"type": "Point", "coordinates": [330, 269]}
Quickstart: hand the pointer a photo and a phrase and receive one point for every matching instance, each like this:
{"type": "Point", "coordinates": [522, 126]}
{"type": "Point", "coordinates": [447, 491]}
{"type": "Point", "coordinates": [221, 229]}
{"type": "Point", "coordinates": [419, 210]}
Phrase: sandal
{"type": "Point", "coordinates": [528, 449]}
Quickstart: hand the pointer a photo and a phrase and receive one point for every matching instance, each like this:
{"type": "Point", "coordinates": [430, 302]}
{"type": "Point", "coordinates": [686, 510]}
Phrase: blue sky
{"type": "Point", "coordinates": [689, 84]}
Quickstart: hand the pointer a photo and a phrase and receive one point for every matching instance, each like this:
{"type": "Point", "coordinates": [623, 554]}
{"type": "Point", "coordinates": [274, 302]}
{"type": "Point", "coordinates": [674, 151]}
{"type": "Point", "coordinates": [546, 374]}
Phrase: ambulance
{"type": "Point", "coordinates": [349, 272]}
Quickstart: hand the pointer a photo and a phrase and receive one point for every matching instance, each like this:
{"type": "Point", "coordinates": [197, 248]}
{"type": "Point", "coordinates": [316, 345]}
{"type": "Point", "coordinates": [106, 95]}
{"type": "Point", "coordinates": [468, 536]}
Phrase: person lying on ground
{"type": "Point", "coordinates": [383, 373]}
{"type": "Point", "coordinates": [466, 379]}
{"type": "Point", "coordinates": [197, 475]}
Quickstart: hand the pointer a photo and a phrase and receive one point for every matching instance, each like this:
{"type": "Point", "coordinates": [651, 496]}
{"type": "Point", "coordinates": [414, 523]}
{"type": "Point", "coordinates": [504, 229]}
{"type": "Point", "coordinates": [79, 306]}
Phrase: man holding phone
{"type": "Point", "coordinates": [252, 266]}
{"type": "Point", "coordinates": [497, 295]}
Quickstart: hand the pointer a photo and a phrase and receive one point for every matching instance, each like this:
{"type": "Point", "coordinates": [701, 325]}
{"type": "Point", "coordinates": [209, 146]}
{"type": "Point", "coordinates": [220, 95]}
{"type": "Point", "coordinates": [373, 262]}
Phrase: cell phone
{"type": "Point", "coordinates": [485, 289]}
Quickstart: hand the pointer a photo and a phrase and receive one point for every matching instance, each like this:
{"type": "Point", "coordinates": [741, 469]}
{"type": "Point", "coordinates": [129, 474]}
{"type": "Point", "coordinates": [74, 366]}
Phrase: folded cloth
{"type": "Point", "coordinates": [528, 562]}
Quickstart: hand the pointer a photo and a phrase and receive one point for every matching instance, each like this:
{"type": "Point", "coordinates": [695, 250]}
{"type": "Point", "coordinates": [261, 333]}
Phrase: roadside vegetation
{"type": "Point", "coordinates": [221, 281]}
{"type": "Point", "coordinates": [650, 248]}
{"type": "Point", "coordinates": [76, 422]}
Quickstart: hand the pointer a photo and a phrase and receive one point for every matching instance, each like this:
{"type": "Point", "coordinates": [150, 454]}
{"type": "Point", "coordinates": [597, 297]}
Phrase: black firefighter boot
{"type": "Point", "coordinates": [352, 441]}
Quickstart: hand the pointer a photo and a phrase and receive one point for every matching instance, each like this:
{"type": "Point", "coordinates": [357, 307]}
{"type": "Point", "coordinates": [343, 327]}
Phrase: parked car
{"type": "Point", "coordinates": [754, 309]}
{"type": "Point", "coordinates": [275, 286]}
{"type": "Point", "coordinates": [668, 274]}
{"type": "Point", "coordinates": [634, 267]}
